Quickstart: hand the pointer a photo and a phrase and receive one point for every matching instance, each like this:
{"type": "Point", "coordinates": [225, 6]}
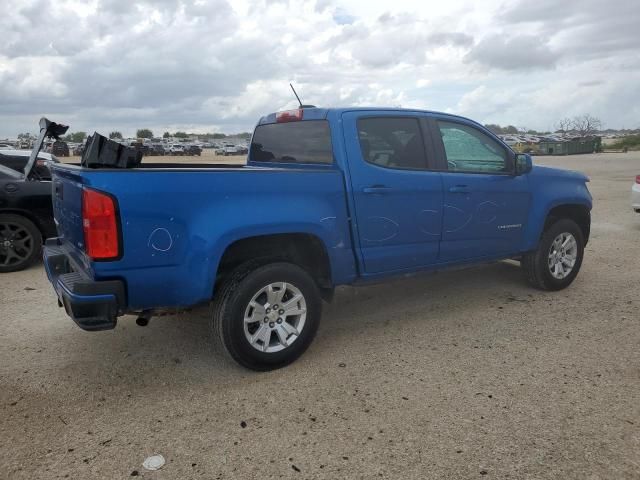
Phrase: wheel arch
{"type": "Point", "coordinates": [543, 216]}
{"type": "Point", "coordinates": [29, 216]}
{"type": "Point", "coordinates": [579, 213]}
{"type": "Point", "coordinates": [306, 250]}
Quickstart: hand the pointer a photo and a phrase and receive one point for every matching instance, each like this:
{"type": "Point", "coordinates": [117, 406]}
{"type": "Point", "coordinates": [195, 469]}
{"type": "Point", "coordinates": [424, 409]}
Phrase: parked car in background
{"type": "Point", "coordinates": [193, 150]}
{"type": "Point", "coordinates": [176, 149]}
{"type": "Point", "coordinates": [328, 197]}
{"type": "Point", "coordinates": [230, 150]}
{"type": "Point", "coordinates": [219, 150]}
{"type": "Point", "coordinates": [78, 150]}
{"type": "Point", "coordinates": [26, 213]}
{"type": "Point", "coordinates": [635, 195]}
{"type": "Point", "coordinates": [6, 146]}
{"type": "Point", "coordinates": [139, 145]}
{"type": "Point", "coordinates": [59, 149]}
{"type": "Point", "coordinates": [511, 141]}
{"type": "Point", "coordinates": [156, 149]}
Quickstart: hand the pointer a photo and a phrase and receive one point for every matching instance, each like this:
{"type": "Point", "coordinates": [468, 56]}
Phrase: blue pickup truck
{"type": "Point", "coordinates": [328, 197]}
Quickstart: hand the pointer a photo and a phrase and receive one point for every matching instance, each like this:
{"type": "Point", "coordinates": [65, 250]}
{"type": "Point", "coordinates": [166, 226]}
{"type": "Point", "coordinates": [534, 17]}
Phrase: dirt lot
{"type": "Point", "coordinates": [207, 156]}
{"type": "Point", "coordinates": [467, 374]}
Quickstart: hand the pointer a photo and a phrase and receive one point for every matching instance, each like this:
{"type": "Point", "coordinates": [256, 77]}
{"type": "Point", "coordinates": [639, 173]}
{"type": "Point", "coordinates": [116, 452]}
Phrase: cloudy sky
{"type": "Point", "coordinates": [216, 65]}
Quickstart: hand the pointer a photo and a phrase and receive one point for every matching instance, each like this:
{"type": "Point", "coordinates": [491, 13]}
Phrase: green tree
{"type": "Point", "coordinates": [166, 135]}
{"type": "Point", "coordinates": [180, 135]}
{"type": "Point", "coordinates": [218, 136]}
{"type": "Point", "coordinates": [497, 129]}
{"type": "Point", "coordinates": [144, 133]}
{"type": "Point", "coordinates": [75, 137]}
{"type": "Point", "coordinates": [115, 134]}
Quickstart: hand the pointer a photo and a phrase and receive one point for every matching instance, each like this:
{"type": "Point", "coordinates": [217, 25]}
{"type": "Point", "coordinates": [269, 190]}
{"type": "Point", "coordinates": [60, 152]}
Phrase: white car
{"type": "Point", "coordinates": [176, 149]}
{"type": "Point", "coordinates": [635, 195]}
{"type": "Point", "coordinates": [230, 151]}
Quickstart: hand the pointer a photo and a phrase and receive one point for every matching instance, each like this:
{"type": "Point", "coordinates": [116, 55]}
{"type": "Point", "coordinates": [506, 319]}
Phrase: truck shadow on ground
{"type": "Point", "coordinates": [185, 340]}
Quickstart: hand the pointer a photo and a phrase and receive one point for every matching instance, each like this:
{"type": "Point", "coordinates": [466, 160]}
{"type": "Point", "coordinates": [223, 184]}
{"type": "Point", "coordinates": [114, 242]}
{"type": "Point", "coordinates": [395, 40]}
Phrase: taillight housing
{"type": "Point", "coordinates": [100, 224]}
{"type": "Point", "coordinates": [289, 116]}
{"type": "Point", "coordinates": [637, 178]}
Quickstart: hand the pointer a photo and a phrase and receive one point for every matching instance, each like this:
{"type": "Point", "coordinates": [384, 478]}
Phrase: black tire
{"type": "Point", "coordinates": [535, 265]}
{"type": "Point", "coordinates": [14, 229]}
{"type": "Point", "coordinates": [233, 297]}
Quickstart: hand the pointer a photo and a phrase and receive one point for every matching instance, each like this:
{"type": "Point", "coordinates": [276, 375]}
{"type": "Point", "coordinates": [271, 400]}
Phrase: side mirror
{"type": "Point", "coordinates": [524, 163]}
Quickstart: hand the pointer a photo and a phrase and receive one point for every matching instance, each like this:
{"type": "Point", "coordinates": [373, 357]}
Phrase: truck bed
{"type": "Point", "coordinates": [176, 220]}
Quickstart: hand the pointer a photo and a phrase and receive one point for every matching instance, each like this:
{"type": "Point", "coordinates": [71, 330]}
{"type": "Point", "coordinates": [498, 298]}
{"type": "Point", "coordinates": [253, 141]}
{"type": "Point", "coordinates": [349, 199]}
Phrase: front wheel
{"type": "Point", "coordinates": [266, 316]}
{"type": "Point", "coordinates": [556, 262]}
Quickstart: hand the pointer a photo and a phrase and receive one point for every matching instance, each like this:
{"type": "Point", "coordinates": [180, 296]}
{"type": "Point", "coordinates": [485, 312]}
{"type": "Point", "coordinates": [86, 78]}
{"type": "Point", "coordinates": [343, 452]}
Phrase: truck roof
{"type": "Point", "coordinates": [316, 113]}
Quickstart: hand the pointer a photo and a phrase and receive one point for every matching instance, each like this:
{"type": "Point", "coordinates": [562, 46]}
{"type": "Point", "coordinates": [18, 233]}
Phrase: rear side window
{"type": "Point", "coordinates": [292, 142]}
{"type": "Point", "coordinates": [470, 150]}
{"type": "Point", "coordinates": [392, 142]}
{"type": "Point", "coordinates": [18, 163]}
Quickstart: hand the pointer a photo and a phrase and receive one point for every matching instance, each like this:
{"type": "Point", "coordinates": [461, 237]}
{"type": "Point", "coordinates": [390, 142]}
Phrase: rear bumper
{"type": "Point", "coordinates": [93, 305]}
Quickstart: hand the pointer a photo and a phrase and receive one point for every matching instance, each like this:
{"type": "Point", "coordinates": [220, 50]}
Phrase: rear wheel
{"type": "Point", "coordinates": [557, 261]}
{"type": "Point", "coordinates": [20, 242]}
{"type": "Point", "coordinates": [266, 316]}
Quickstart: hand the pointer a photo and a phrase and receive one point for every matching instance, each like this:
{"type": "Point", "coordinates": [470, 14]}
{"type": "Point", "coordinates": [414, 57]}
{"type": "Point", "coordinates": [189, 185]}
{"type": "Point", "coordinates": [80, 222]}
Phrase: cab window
{"type": "Point", "coordinates": [467, 149]}
{"type": "Point", "coordinates": [392, 142]}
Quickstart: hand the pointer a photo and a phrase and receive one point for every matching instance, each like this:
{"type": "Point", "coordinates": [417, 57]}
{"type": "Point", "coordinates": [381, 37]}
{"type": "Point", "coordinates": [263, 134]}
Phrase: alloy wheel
{"type": "Point", "coordinates": [275, 317]}
{"type": "Point", "coordinates": [16, 244]}
{"type": "Point", "coordinates": [562, 255]}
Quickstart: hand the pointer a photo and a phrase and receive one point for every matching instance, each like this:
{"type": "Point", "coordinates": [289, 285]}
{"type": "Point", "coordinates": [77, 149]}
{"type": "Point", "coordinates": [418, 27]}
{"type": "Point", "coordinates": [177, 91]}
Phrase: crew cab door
{"type": "Point", "coordinates": [485, 204]}
{"type": "Point", "coordinates": [398, 201]}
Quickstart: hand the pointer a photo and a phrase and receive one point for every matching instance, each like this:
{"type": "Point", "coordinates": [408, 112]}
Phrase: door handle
{"type": "Point", "coordinates": [376, 189]}
{"type": "Point", "coordinates": [459, 189]}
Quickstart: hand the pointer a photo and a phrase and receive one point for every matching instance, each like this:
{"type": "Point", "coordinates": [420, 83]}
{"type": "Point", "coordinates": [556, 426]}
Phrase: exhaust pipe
{"type": "Point", "coordinates": [143, 319]}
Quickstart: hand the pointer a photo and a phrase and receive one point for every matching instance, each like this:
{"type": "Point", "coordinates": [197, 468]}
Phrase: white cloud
{"type": "Point", "coordinates": [200, 64]}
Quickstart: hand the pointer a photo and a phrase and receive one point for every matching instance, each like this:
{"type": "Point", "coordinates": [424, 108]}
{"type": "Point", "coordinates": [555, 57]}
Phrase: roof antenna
{"type": "Point", "coordinates": [300, 102]}
{"type": "Point", "coordinates": [294, 92]}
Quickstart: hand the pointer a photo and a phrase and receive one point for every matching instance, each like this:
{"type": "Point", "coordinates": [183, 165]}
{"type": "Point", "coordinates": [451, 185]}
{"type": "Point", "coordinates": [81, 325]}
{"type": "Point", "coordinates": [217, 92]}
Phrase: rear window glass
{"type": "Point", "coordinates": [292, 142]}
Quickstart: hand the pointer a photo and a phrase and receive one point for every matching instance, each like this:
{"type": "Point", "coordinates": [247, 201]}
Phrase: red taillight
{"type": "Point", "coordinates": [637, 178]}
{"type": "Point", "coordinates": [289, 116]}
{"type": "Point", "coordinates": [100, 225]}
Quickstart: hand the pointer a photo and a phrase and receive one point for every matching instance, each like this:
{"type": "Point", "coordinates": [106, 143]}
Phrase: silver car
{"type": "Point", "coordinates": [635, 195]}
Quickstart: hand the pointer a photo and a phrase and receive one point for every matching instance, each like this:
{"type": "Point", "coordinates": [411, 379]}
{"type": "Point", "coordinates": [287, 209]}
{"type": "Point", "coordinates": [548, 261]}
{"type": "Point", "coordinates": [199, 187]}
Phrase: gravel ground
{"type": "Point", "coordinates": [466, 374]}
{"type": "Point", "coordinates": [207, 156]}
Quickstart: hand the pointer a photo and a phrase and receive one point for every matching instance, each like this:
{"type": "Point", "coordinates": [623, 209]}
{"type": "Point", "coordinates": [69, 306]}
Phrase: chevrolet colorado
{"type": "Point", "coordinates": [328, 197]}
